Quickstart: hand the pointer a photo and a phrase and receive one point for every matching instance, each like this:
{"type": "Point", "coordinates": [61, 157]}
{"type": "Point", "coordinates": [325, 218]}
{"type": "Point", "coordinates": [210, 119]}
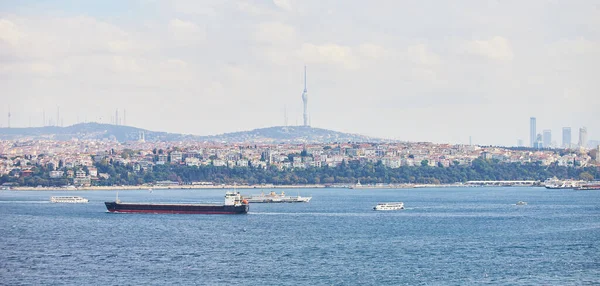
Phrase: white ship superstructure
{"type": "Point", "coordinates": [389, 206]}
{"type": "Point", "coordinates": [555, 183]}
{"type": "Point", "coordinates": [277, 198]}
{"type": "Point", "coordinates": [69, 199]}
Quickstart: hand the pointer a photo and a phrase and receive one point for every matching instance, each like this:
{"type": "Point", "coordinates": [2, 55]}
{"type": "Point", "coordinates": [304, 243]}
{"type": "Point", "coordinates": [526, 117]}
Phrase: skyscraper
{"type": "Point", "coordinates": [583, 137]}
{"type": "Point", "coordinates": [539, 143]}
{"type": "Point", "coordinates": [566, 137]}
{"type": "Point", "coordinates": [305, 100]}
{"type": "Point", "coordinates": [532, 132]}
{"type": "Point", "coordinates": [547, 138]}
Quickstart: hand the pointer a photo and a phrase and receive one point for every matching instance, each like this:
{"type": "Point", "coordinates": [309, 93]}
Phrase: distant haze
{"type": "Point", "coordinates": [437, 71]}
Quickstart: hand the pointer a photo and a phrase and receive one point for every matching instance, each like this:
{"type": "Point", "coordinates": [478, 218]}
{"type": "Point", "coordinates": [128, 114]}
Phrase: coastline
{"type": "Point", "coordinates": [178, 187]}
{"type": "Point", "coordinates": [213, 187]}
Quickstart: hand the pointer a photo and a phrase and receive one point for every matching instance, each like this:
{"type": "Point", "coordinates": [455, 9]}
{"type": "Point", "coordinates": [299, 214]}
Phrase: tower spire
{"type": "Point", "coordinates": [305, 101]}
{"type": "Point", "coordinates": [304, 78]}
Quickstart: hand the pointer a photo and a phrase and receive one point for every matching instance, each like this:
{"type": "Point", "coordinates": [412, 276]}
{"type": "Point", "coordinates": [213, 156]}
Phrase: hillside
{"type": "Point", "coordinates": [290, 134]}
{"type": "Point", "coordinates": [277, 134]}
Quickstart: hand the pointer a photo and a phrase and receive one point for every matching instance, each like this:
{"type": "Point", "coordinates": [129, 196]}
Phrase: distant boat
{"type": "Point", "coordinates": [555, 183]}
{"type": "Point", "coordinates": [277, 198]}
{"type": "Point", "coordinates": [521, 203]}
{"type": "Point", "coordinates": [593, 186]}
{"type": "Point", "coordinates": [389, 206]}
{"type": "Point", "coordinates": [70, 200]}
{"type": "Point", "coordinates": [357, 185]}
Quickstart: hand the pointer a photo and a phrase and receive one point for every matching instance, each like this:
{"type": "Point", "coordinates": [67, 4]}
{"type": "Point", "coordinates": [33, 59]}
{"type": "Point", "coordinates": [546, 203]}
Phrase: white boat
{"type": "Point", "coordinates": [521, 203]}
{"type": "Point", "coordinates": [389, 206]}
{"type": "Point", "coordinates": [554, 183]}
{"type": "Point", "coordinates": [277, 198]}
{"type": "Point", "coordinates": [71, 200]}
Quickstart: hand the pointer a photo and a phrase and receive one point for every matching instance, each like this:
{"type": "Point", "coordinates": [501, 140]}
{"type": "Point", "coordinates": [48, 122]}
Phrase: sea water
{"type": "Point", "coordinates": [456, 236]}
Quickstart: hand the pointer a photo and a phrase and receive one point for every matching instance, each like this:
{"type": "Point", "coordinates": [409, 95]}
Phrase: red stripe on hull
{"type": "Point", "coordinates": [169, 212]}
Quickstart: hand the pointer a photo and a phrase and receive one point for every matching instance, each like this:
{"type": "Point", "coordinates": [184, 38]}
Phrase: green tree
{"type": "Point", "coordinates": [586, 176]}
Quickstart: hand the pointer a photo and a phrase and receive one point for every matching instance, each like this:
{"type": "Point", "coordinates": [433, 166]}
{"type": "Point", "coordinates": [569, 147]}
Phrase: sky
{"type": "Point", "coordinates": [438, 71]}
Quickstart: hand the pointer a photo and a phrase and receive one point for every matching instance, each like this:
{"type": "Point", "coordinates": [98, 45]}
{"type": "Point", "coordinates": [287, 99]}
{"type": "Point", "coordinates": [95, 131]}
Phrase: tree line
{"type": "Point", "coordinates": [346, 173]}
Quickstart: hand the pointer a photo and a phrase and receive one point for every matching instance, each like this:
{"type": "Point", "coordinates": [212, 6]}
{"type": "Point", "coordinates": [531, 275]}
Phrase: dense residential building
{"type": "Point", "coordinates": [76, 161]}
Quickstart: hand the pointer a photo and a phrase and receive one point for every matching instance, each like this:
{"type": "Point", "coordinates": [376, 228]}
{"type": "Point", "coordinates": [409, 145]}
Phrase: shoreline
{"type": "Point", "coordinates": [245, 187]}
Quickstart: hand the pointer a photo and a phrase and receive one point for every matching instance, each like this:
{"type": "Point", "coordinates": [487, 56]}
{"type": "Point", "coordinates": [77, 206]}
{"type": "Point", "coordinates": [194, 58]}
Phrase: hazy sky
{"type": "Point", "coordinates": [436, 71]}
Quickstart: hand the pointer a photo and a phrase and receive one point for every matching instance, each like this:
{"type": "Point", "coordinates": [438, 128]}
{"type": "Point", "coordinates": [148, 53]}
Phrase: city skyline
{"type": "Point", "coordinates": [544, 137]}
{"type": "Point", "coordinates": [398, 77]}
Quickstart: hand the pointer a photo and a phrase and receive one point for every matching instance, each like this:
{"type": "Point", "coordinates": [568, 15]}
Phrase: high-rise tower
{"type": "Point", "coordinates": [305, 100]}
{"type": "Point", "coordinates": [566, 137]}
{"type": "Point", "coordinates": [547, 138]}
{"type": "Point", "coordinates": [532, 133]}
{"type": "Point", "coordinates": [583, 137]}
{"type": "Point", "coordinates": [8, 116]}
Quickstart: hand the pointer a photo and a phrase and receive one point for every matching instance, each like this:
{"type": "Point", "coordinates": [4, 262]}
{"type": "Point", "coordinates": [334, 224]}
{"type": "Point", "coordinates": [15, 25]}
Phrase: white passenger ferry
{"type": "Point", "coordinates": [277, 198]}
{"type": "Point", "coordinates": [389, 206]}
{"type": "Point", "coordinates": [72, 200]}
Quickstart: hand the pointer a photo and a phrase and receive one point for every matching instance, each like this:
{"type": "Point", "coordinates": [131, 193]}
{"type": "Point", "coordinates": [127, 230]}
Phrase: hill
{"type": "Point", "coordinates": [290, 134]}
{"type": "Point", "coordinates": [98, 131]}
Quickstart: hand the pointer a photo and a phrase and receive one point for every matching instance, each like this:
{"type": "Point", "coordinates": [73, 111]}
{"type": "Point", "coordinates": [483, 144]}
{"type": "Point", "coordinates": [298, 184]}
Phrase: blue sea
{"type": "Point", "coordinates": [445, 236]}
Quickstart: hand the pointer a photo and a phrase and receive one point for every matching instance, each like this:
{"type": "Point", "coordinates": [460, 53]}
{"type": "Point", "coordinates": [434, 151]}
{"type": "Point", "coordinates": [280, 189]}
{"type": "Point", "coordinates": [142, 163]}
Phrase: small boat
{"type": "Point", "coordinates": [389, 206]}
{"type": "Point", "coordinates": [70, 199]}
{"type": "Point", "coordinates": [521, 203]}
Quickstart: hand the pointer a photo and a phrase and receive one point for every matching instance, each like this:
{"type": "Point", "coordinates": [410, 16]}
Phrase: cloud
{"type": "Point", "coordinates": [283, 4]}
{"type": "Point", "coordinates": [191, 52]}
{"type": "Point", "coordinates": [496, 48]}
{"type": "Point", "coordinates": [574, 47]}
{"type": "Point", "coordinates": [275, 33]}
{"type": "Point", "coordinates": [9, 32]}
{"type": "Point", "coordinates": [186, 32]}
{"type": "Point", "coordinates": [373, 52]}
{"type": "Point", "coordinates": [342, 56]}
{"type": "Point", "coordinates": [420, 54]}
{"type": "Point", "coordinates": [179, 24]}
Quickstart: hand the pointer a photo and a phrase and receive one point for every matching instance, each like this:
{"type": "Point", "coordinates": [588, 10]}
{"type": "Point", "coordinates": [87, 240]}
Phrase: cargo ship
{"type": "Point", "coordinates": [277, 198]}
{"type": "Point", "coordinates": [234, 204]}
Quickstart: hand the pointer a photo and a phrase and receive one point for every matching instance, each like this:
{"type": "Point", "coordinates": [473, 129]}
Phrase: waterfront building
{"type": "Point", "coordinates": [547, 138]}
{"type": "Point", "coordinates": [566, 137]}
{"type": "Point", "coordinates": [532, 132]}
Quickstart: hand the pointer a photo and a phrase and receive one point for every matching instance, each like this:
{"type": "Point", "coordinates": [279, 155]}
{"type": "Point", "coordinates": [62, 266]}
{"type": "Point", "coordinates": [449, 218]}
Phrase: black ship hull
{"type": "Point", "coordinates": [115, 207]}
